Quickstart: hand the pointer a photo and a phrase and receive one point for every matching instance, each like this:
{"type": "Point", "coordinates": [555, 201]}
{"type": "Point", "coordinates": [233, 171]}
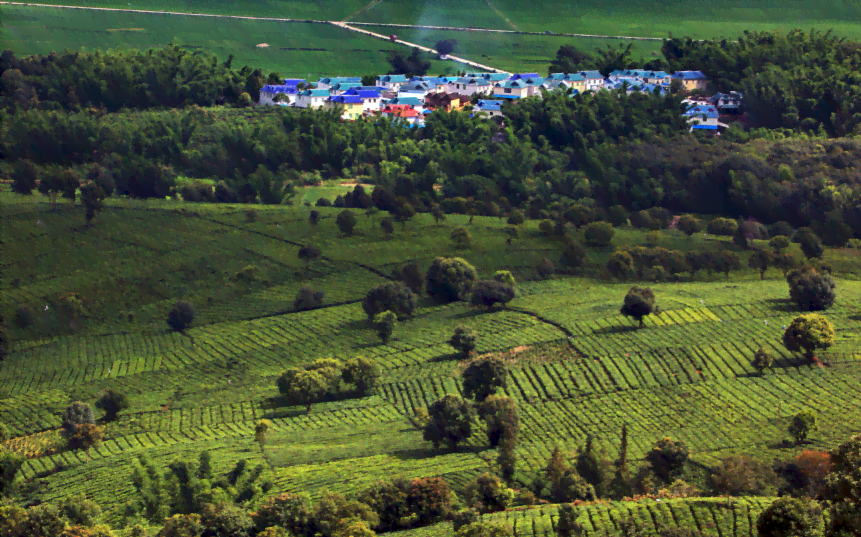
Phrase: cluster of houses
{"type": "Point", "coordinates": [415, 97]}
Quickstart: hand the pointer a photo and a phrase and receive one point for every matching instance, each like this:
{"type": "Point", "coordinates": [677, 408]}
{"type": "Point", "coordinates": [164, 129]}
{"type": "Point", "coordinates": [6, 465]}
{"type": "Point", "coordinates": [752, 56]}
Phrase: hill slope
{"type": "Point", "coordinates": [578, 366]}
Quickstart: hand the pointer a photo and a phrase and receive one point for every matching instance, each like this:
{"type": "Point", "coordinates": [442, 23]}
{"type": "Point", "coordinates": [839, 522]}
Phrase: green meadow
{"type": "Point", "coordinates": [514, 53]}
{"type": "Point", "coordinates": [297, 50]}
{"type": "Point", "coordinates": [642, 18]}
{"type": "Point", "coordinates": [577, 366]}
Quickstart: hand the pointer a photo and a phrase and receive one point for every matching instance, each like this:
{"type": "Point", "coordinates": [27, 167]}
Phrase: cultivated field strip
{"type": "Point", "coordinates": [182, 427]}
{"type": "Point", "coordinates": [737, 413]}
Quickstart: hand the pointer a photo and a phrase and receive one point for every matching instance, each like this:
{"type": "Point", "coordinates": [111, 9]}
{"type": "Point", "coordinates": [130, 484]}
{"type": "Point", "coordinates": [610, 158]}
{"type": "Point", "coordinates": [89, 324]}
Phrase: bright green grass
{"type": "Point", "coordinates": [727, 18]}
{"type": "Point", "coordinates": [685, 374]}
{"type": "Point", "coordinates": [298, 50]}
{"type": "Point", "coordinates": [513, 53]}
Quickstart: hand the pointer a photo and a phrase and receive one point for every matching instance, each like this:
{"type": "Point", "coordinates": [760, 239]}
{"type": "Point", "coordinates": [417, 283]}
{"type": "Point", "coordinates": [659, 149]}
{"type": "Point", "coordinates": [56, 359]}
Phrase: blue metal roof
{"type": "Point", "coordinates": [315, 93]}
{"type": "Point", "coordinates": [412, 101]}
{"type": "Point", "coordinates": [708, 127]}
{"type": "Point", "coordinates": [362, 94]}
{"type": "Point", "coordinates": [690, 75]}
{"type": "Point", "coordinates": [523, 76]}
{"type": "Point", "coordinates": [702, 110]}
{"type": "Point", "coordinates": [393, 78]}
{"type": "Point", "coordinates": [291, 90]}
{"type": "Point", "coordinates": [345, 99]}
{"type": "Point", "coordinates": [503, 96]}
{"type": "Point", "coordinates": [488, 104]}
{"type": "Point", "coordinates": [293, 81]}
{"type": "Point", "coordinates": [338, 79]}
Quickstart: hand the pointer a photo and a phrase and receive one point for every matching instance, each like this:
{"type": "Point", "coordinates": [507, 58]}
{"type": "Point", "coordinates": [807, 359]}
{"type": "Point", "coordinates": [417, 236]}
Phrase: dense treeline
{"type": "Point", "coordinates": [169, 76]}
{"type": "Point", "coordinates": [602, 149]}
{"type": "Point", "coordinates": [795, 80]}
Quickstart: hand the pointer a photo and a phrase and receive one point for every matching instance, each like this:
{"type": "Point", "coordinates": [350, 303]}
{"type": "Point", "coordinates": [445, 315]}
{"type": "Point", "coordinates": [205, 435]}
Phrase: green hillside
{"type": "Point", "coordinates": [296, 50]}
{"type": "Point", "coordinates": [578, 366]}
{"type": "Point", "coordinates": [597, 17]}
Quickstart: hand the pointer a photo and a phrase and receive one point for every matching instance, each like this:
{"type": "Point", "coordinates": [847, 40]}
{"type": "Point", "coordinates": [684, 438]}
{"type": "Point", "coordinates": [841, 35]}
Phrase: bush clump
{"type": "Point", "coordinates": [308, 298]}
{"type": "Point", "coordinates": [449, 278]}
{"type": "Point", "coordinates": [181, 316]}
{"type": "Point", "coordinates": [810, 289]}
{"type": "Point", "coordinates": [490, 293]}
{"type": "Point", "coordinates": [392, 296]}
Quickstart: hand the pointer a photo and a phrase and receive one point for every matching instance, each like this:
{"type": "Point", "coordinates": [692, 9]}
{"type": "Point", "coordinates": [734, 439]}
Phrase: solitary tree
{"type": "Point", "coordinates": [779, 243]}
{"type": "Point", "coordinates": [112, 402]}
{"type": "Point", "coordinates": [307, 298]}
{"type": "Point", "coordinates": [24, 177]}
{"type": "Point", "coordinates": [346, 221]}
{"type": "Point", "coordinates": [639, 302]}
{"type": "Point", "coordinates": [761, 360]}
{"type": "Point", "coordinates": [385, 323]}
{"type": "Point", "coordinates": [392, 296]}
{"type": "Point", "coordinates": [450, 421]}
{"type": "Point", "coordinates": [181, 316]}
{"type": "Point", "coordinates": [811, 289]}
{"type": "Point", "coordinates": [808, 333]}
{"type": "Point", "coordinates": [463, 340]}
{"type": "Point", "coordinates": [689, 224]}
{"type": "Point", "coordinates": [620, 265]}
{"type": "Point", "coordinates": [490, 293]}
{"type": "Point", "coordinates": [760, 260]}
{"type": "Point", "coordinates": [449, 279]}
{"type": "Point", "coordinates": [484, 377]}
{"type": "Point", "coordinates": [308, 253]}
{"type": "Point", "coordinates": [599, 233]}
{"type": "Point", "coordinates": [92, 196]}
{"type": "Point", "coordinates": [501, 418]}
{"type": "Point", "coordinates": [567, 525]}
{"type": "Point", "coordinates": [668, 457]}
{"type": "Point", "coordinates": [260, 430]}
{"type": "Point", "coordinates": [388, 226]}
{"type": "Point", "coordinates": [802, 425]}
{"type": "Point", "coordinates": [314, 216]}
{"type": "Point", "coordinates": [75, 415]}
{"type": "Point", "coordinates": [461, 238]}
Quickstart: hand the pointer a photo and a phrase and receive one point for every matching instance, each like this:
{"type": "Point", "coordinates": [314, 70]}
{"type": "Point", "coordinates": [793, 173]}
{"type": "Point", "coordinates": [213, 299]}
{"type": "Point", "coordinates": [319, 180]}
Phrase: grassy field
{"type": "Point", "coordinates": [578, 366]}
{"type": "Point", "coordinates": [514, 53]}
{"type": "Point", "coordinates": [297, 50]}
{"type": "Point", "coordinates": [727, 18]}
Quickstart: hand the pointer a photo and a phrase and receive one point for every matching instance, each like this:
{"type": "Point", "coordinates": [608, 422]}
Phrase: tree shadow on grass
{"type": "Point", "coordinates": [618, 329]}
{"type": "Point", "coordinates": [782, 305]}
{"type": "Point", "coordinates": [429, 452]}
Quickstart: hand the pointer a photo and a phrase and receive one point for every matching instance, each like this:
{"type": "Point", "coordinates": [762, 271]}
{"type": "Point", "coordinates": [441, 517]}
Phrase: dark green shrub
{"type": "Point", "coordinates": [392, 296]}
{"type": "Point", "coordinates": [181, 316]}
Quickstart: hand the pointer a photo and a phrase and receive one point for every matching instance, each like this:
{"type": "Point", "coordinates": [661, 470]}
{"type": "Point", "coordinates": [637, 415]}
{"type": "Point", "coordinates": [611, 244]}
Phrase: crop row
{"type": "Point", "coordinates": [724, 517]}
{"type": "Point", "coordinates": [735, 413]}
{"type": "Point", "coordinates": [350, 475]}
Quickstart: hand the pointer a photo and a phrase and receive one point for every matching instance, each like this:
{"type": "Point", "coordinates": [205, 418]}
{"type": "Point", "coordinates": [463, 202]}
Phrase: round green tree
{"type": "Point", "coordinates": [484, 377]}
{"type": "Point", "coordinates": [450, 421]}
{"type": "Point", "coordinates": [464, 340]}
{"type": "Point", "coordinates": [385, 323]}
{"type": "Point", "coordinates": [802, 425]}
{"type": "Point", "coordinates": [808, 333]}
{"type": "Point", "coordinates": [449, 278]}
{"type": "Point", "coordinates": [761, 360]}
{"type": "Point", "coordinates": [639, 302]}
{"type": "Point", "coordinates": [789, 517]}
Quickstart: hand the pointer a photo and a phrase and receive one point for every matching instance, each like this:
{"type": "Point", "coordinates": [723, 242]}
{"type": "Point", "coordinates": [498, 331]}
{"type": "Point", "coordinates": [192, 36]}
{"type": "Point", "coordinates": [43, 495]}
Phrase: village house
{"type": "Point", "coordinates": [268, 93]}
{"type": "Point", "coordinates": [446, 101]}
{"type": "Point", "coordinates": [436, 83]}
{"type": "Point", "coordinates": [640, 75]}
{"type": "Point", "coordinates": [341, 87]}
{"type": "Point", "coordinates": [326, 83]}
{"type": "Point", "coordinates": [391, 82]}
{"type": "Point", "coordinates": [351, 105]}
{"type": "Point", "coordinates": [726, 101]}
{"type": "Point", "coordinates": [702, 117]}
{"type": "Point", "coordinates": [311, 98]}
{"type": "Point", "coordinates": [294, 81]}
{"type": "Point", "coordinates": [371, 100]}
{"type": "Point", "coordinates": [418, 89]}
{"type": "Point", "coordinates": [488, 107]}
{"type": "Point", "coordinates": [691, 80]}
{"type": "Point", "coordinates": [469, 86]}
{"type": "Point", "coordinates": [519, 88]}
{"type": "Point", "coordinates": [415, 103]}
{"type": "Point", "coordinates": [401, 111]}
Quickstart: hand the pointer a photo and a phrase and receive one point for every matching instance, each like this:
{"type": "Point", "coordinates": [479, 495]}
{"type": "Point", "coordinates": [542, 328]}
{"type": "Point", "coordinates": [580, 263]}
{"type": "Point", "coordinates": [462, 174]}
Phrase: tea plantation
{"type": "Point", "coordinates": [577, 366]}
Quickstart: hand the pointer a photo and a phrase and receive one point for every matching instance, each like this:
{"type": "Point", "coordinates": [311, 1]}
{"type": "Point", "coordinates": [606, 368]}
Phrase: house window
{"type": "Point", "coordinates": [507, 90]}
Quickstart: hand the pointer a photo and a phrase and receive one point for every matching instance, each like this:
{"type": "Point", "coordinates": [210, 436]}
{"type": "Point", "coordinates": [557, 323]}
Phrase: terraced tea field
{"type": "Point", "coordinates": [577, 365]}
{"type": "Point", "coordinates": [295, 49]}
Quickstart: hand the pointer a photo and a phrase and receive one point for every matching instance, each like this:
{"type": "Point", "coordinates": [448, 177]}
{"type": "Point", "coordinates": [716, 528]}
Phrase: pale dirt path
{"type": "Point", "coordinates": [426, 49]}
